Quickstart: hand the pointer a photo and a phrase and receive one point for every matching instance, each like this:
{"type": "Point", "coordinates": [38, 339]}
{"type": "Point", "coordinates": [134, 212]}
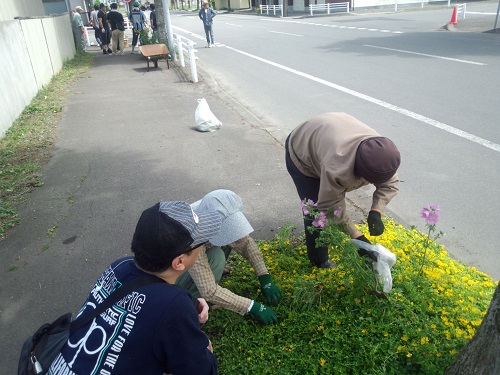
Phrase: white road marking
{"type": "Point", "coordinates": [425, 54]}
{"type": "Point", "coordinates": [279, 32]}
{"type": "Point", "coordinates": [405, 112]}
{"type": "Point", "coordinates": [232, 24]}
{"type": "Point", "coordinates": [332, 26]}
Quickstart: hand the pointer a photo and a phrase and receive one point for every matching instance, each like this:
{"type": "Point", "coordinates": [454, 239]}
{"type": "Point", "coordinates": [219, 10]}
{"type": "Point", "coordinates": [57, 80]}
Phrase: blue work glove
{"type": "Point", "coordinates": [263, 314]}
{"type": "Point", "coordinates": [270, 291]}
{"type": "Point", "coordinates": [375, 225]}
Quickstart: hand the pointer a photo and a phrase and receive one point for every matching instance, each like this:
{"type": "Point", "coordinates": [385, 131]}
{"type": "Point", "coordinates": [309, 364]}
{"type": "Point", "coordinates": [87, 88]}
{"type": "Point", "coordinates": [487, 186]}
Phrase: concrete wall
{"type": "Point", "coordinates": [21, 8]}
{"type": "Point", "coordinates": [33, 51]}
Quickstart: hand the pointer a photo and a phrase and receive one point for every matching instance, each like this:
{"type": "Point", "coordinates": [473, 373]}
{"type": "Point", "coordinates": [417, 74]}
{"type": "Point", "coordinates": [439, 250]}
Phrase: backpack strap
{"type": "Point", "coordinates": [114, 297]}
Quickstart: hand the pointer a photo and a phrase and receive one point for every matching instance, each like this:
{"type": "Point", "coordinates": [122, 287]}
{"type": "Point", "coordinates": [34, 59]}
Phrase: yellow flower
{"type": "Point", "coordinates": [322, 362]}
{"type": "Point", "coordinates": [404, 338]}
{"type": "Point", "coordinates": [409, 355]}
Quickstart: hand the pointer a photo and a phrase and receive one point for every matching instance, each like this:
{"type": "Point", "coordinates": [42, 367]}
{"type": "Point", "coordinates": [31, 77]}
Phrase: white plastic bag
{"type": "Point", "coordinates": [205, 119]}
{"type": "Point", "coordinates": [384, 263]}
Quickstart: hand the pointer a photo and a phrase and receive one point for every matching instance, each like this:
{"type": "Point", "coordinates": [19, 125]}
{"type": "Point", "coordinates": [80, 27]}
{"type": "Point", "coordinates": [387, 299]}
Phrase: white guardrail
{"type": "Point", "coordinates": [184, 45]}
{"type": "Point", "coordinates": [272, 8]}
{"type": "Point", "coordinates": [461, 10]}
{"type": "Point", "coordinates": [329, 6]}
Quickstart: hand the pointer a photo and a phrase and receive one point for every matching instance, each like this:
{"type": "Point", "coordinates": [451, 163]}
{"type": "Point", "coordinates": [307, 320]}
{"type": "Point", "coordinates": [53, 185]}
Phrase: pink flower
{"type": "Point", "coordinates": [306, 205]}
{"type": "Point", "coordinates": [430, 214]}
{"type": "Point", "coordinates": [320, 220]}
{"type": "Point", "coordinates": [338, 212]}
{"type": "Point", "coordinates": [311, 203]}
{"type": "Point", "coordinates": [305, 211]}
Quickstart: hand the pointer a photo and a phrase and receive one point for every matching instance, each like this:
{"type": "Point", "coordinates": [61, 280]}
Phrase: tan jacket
{"type": "Point", "coordinates": [325, 147]}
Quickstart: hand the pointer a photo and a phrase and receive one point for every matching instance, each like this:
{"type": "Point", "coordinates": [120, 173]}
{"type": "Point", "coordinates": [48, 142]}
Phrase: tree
{"type": "Point", "coordinates": [160, 17]}
{"type": "Point", "coordinates": [481, 354]}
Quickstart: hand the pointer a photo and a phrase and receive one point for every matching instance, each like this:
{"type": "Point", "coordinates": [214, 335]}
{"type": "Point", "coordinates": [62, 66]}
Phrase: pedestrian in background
{"type": "Point", "coordinates": [116, 21]}
{"type": "Point", "coordinates": [137, 18]}
{"type": "Point", "coordinates": [105, 33]}
{"type": "Point", "coordinates": [334, 153]}
{"type": "Point", "coordinates": [152, 21]}
{"type": "Point", "coordinates": [207, 14]}
{"type": "Point", "coordinates": [78, 29]}
{"type": "Point", "coordinates": [95, 25]}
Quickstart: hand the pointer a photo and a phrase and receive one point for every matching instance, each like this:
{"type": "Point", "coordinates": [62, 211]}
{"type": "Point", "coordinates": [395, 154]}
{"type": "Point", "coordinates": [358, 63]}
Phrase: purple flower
{"type": "Point", "coordinates": [430, 214]}
{"type": "Point", "coordinates": [338, 212]}
{"type": "Point", "coordinates": [320, 220]}
{"type": "Point", "coordinates": [311, 203]}
{"type": "Point", "coordinates": [305, 211]}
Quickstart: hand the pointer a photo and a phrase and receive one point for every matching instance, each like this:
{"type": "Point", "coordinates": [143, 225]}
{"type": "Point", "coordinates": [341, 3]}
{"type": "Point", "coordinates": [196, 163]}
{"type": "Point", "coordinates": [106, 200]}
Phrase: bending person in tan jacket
{"type": "Point", "coordinates": [334, 153]}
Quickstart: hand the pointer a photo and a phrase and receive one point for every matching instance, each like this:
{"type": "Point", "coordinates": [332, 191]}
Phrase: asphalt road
{"type": "Point", "coordinates": [434, 92]}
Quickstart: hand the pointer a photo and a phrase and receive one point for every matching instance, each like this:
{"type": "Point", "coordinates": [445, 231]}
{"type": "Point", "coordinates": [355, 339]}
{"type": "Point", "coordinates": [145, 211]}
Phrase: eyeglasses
{"type": "Point", "coordinates": [197, 246]}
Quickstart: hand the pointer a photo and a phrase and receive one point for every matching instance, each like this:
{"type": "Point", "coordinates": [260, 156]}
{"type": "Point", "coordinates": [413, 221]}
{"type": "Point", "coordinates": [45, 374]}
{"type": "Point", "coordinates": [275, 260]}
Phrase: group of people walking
{"type": "Point", "coordinates": [109, 26]}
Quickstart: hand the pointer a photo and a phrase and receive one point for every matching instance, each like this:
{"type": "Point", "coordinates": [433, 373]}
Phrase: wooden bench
{"type": "Point", "coordinates": [155, 52]}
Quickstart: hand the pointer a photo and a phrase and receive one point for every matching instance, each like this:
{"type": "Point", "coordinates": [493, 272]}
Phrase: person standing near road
{"type": "Point", "coordinates": [78, 29]}
{"type": "Point", "coordinates": [137, 18]}
{"type": "Point", "coordinates": [334, 153]}
{"type": "Point", "coordinates": [116, 21]}
{"type": "Point", "coordinates": [207, 14]}
{"type": "Point", "coordinates": [202, 280]}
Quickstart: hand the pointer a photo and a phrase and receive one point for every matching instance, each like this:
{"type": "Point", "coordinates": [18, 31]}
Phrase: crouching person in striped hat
{"type": "Point", "coordinates": [202, 280]}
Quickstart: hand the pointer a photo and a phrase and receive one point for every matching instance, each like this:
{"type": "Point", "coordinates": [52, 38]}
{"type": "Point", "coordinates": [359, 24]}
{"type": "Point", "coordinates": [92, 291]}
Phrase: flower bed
{"type": "Point", "coordinates": [330, 322]}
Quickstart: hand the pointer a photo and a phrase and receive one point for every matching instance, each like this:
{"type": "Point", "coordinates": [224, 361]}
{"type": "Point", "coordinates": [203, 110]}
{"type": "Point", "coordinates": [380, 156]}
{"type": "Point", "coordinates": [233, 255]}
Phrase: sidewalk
{"type": "Point", "coordinates": [126, 141]}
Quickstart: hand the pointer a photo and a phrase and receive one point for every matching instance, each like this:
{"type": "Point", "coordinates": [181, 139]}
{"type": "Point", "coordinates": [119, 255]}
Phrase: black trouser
{"type": "Point", "coordinates": [135, 36]}
{"type": "Point", "coordinates": [307, 188]}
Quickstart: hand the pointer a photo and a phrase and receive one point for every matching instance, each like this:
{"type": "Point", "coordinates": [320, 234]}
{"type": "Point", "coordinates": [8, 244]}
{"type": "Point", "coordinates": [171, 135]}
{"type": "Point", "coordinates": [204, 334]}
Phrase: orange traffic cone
{"type": "Point", "coordinates": [453, 20]}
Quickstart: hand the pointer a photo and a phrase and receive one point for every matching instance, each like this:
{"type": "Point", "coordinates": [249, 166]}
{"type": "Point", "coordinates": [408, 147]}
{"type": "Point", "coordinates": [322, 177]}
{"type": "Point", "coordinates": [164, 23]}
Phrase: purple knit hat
{"type": "Point", "coordinates": [377, 160]}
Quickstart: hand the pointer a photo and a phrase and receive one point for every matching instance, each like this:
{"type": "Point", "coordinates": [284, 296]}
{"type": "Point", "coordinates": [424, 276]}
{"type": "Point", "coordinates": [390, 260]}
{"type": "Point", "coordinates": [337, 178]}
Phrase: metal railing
{"type": "Point", "coordinates": [461, 10]}
{"type": "Point", "coordinates": [329, 6]}
{"type": "Point", "coordinates": [274, 8]}
{"type": "Point", "coordinates": [186, 46]}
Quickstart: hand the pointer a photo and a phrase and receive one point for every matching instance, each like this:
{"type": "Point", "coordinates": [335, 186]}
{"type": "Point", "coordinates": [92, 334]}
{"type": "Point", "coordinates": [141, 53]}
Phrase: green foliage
{"type": "Point", "coordinates": [147, 36]}
{"type": "Point", "coordinates": [28, 143]}
{"type": "Point", "coordinates": [330, 323]}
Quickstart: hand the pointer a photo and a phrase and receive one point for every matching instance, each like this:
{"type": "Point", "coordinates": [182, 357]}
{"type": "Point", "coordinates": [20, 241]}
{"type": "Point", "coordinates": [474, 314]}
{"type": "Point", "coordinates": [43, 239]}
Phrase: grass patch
{"type": "Point", "coordinates": [330, 323]}
{"type": "Point", "coordinates": [29, 142]}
